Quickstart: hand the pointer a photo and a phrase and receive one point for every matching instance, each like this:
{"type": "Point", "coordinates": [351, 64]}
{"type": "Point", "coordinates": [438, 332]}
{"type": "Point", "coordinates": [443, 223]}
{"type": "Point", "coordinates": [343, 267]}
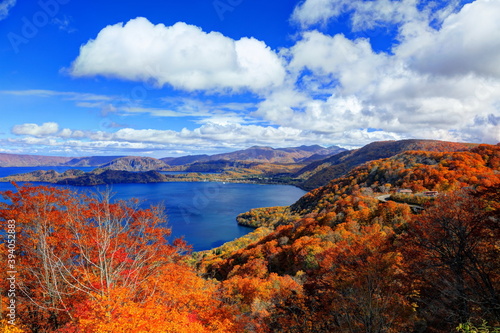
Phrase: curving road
{"type": "Point", "coordinates": [384, 198]}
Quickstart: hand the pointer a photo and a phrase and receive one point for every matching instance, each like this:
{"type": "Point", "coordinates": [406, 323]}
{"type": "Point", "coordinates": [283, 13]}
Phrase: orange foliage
{"type": "Point", "coordinates": [339, 260]}
{"type": "Point", "coordinates": [181, 302]}
{"type": "Point", "coordinates": [360, 284]}
{"type": "Point", "coordinates": [453, 249]}
{"type": "Point", "coordinates": [86, 264]}
{"type": "Point", "coordinates": [346, 250]}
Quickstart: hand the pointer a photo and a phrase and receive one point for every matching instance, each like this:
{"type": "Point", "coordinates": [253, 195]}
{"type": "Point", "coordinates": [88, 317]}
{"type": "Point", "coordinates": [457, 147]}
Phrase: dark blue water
{"type": "Point", "coordinates": [204, 212]}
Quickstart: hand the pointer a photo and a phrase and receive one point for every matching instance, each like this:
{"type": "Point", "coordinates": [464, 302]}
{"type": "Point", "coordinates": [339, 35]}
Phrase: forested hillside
{"type": "Point", "coordinates": [361, 265]}
{"type": "Point", "coordinates": [341, 259]}
{"type": "Point", "coordinates": [319, 173]}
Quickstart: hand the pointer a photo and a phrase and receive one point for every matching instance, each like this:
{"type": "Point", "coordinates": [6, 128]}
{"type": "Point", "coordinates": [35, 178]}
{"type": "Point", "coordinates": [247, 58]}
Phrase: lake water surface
{"type": "Point", "coordinates": [203, 212]}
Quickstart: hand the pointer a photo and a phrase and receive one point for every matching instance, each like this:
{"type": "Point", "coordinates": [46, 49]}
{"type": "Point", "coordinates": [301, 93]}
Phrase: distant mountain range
{"type": "Point", "coordinates": [135, 163]}
{"type": "Point", "coordinates": [92, 161]}
{"type": "Point", "coordinates": [262, 155]}
{"type": "Point", "coordinates": [14, 160]}
{"type": "Point", "coordinates": [307, 167]}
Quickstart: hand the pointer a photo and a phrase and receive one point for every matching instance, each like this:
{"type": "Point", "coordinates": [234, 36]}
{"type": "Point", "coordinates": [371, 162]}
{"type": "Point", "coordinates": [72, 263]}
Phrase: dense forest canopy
{"type": "Point", "coordinates": [341, 259]}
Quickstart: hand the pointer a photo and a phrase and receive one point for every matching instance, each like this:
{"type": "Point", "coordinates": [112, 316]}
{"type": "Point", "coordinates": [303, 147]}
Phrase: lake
{"type": "Point", "coordinates": [203, 212]}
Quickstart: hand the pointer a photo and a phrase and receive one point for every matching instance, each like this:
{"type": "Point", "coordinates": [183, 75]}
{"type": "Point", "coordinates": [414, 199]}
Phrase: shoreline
{"type": "Point", "coordinates": [77, 177]}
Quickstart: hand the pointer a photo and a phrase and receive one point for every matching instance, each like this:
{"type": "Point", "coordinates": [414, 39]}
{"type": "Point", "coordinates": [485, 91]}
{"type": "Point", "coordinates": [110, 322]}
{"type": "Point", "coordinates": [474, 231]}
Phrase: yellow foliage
{"type": "Point", "coordinates": [5, 327]}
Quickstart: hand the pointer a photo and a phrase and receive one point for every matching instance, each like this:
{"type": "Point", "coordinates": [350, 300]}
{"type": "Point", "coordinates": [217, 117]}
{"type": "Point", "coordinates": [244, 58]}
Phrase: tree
{"type": "Point", "coordinates": [360, 286]}
{"type": "Point", "coordinates": [454, 253]}
{"type": "Point", "coordinates": [85, 262]}
{"type": "Point", "coordinates": [182, 302]}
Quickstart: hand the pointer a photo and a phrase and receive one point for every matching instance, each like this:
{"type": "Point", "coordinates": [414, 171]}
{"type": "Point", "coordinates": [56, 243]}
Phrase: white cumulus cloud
{"type": "Point", "coordinates": [5, 7]}
{"type": "Point", "coordinates": [467, 43]}
{"type": "Point", "coordinates": [368, 14]}
{"type": "Point", "coordinates": [216, 137]}
{"type": "Point", "coordinates": [439, 81]}
{"type": "Point", "coordinates": [353, 63]}
{"type": "Point", "coordinates": [365, 14]}
{"type": "Point", "coordinates": [36, 130]}
{"type": "Point", "coordinates": [181, 55]}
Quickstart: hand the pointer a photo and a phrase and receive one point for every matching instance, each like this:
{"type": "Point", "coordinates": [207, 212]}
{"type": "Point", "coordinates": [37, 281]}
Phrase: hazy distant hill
{"type": "Point", "coordinates": [91, 161]}
{"type": "Point", "coordinates": [279, 155]}
{"type": "Point", "coordinates": [321, 172]}
{"type": "Point", "coordinates": [13, 160]}
{"type": "Point", "coordinates": [316, 157]}
{"type": "Point", "coordinates": [134, 163]}
{"type": "Point", "coordinates": [325, 163]}
{"type": "Point", "coordinates": [261, 154]}
{"type": "Point", "coordinates": [175, 161]}
{"type": "Point", "coordinates": [218, 166]}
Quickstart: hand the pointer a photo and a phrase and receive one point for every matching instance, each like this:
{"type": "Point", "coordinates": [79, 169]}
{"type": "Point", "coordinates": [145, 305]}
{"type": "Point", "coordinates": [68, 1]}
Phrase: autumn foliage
{"type": "Point", "coordinates": [339, 260]}
{"type": "Point", "coordinates": [371, 266]}
{"type": "Point", "coordinates": [452, 249]}
{"type": "Point", "coordinates": [86, 264]}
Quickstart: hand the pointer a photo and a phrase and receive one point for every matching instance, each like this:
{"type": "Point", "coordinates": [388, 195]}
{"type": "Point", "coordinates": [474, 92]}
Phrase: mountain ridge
{"type": "Point", "coordinates": [26, 160]}
{"type": "Point", "coordinates": [260, 154]}
{"type": "Point", "coordinates": [132, 163]}
{"type": "Point", "coordinates": [319, 173]}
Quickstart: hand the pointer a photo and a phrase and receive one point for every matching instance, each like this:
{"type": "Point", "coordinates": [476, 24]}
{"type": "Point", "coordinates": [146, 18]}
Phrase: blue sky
{"type": "Point", "coordinates": [170, 78]}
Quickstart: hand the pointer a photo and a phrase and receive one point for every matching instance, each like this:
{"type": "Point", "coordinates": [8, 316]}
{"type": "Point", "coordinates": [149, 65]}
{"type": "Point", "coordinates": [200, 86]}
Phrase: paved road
{"type": "Point", "coordinates": [385, 197]}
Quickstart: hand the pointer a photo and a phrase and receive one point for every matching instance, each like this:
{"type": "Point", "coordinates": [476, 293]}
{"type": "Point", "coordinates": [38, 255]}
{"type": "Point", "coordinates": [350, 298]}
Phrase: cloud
{"type": "Point", "coordinates": [440, 81]}
{"type": "Point", "coordinates": [45, 129]}
{"type": "Point", "coordinates": [64, 23]}
{"type": "Point", "coordinates": [112, 124]}
{"type": "Point", "coordinates": [5, 7]}
{"type": "Point", "coordinates": [53, 93]}
{"type": "Point", "coordinates": [312, 12]}
{"type": "Point", "coordinates": [366, 15]}
{"type": "Point", "coordinates": [353, 64]}
{"type": "Point", "coordinates": [76, 147]}
{"type": "Point", "coordinates": [216, 137]}
{"type": "Point", "coordinates": [200, 111]}
{"type": "Point", "coordinates": [181, 55]}
{"type": "Point", "coordinates": [467, 43]}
